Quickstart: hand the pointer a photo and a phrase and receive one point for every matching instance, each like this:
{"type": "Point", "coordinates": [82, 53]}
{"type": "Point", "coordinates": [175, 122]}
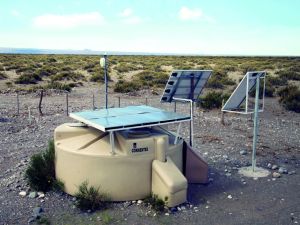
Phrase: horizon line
{"type": "Point", "coordinates": [44, 51]}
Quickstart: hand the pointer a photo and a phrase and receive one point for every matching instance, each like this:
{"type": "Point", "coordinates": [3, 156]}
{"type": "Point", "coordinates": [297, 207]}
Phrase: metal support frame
{"type": "Point", "coordinates": [106, 80]}
{"type": "Point", "coordinates": [112, 142]}
{"type": "Point", "coordinates": [247, 93]}
{"type": "Point", "coordinates": [191, 115]}
{"type": "Point", "coordinates": [255, 128]}
{"type": "Point", "coordinates": [177, 134]}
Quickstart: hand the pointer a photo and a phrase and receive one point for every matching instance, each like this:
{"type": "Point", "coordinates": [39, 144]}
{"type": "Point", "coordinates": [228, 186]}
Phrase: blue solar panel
{"type": "Point", "coordinates": [238, 97]}
{"type": "Point", "coordinates": [127, 117]}
{"type": "Point", "coordinates": [185, 84]}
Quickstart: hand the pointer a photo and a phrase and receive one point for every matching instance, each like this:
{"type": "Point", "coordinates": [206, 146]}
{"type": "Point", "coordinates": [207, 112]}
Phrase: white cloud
{"type": "Point", "coordinates": [15, 13]}
{"type": "Point", "coordinates": [133, 20]}
{"type": "Point", "coordinates": [126, 12]}
{"type": "Point", "coordinates": [68, 21]}
{"type": "Point", "coordinates": [186, 13]}
{"type": "Point", "coordinates": [128, 17]}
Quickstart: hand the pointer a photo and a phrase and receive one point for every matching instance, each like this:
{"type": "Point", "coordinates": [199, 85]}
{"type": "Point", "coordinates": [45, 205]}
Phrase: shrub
{"type": "Point", "coordinates": [8, 84]}
{"type": "Point", "coordinates": [126, 86]}
{"type": "Point", "coordinates": [290, 98]}
{"type": "Point", "coordinates": [213, 100]}
{"type": "Point", "coordinates": [155, 202]}
{"type": "Point", "coordinates": [66, 75]}
{"type": "Point", "coordinates": [289, 75]}
{"type": "Point", "coordinates": [40, 173]}
{"type": "Point", "coordinates": [90, 198]}
{"type": "Point", "coordinates": [269, 91]}
{"type": "Point", "coordinates": [28, 79]}
{"type": "Point", "coordinates": [2, 75]}
{"type": "Point", "coordinates": [97, 78]}
{"type": "Point", "coordinates": [149, 78]}
{"type": "Point", "coordinates": [218, 80]}
{"type": "Point", "coordinates": [58, 86]}
{"type": "Point", "coordinates": [125, 67]}
{"type": "Point", "coordinates": [277, 81]}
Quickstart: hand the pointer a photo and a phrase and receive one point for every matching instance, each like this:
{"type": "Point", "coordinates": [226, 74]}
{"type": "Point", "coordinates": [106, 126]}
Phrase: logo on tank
{"type": "Point", "coordinates": [135, 149]}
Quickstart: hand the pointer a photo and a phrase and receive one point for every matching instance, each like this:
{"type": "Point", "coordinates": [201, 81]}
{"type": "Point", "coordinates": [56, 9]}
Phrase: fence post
{"type": "Point", "coordinates": [67, 101]}
{"type": "Point", "coordinates": [119, 101]}
{"type": "Point", "coordinates": [146, 101]}
{"type": "Point", "coordinates": [29, 114]}
{"type": "Point", "coordinates": [40, 103]}
{"type": "Point", "coordinates": [18, 104]}
{"type": "Point", "coordinates": [222, 114]}
{"type": "Point", "coordinates": [175, 106]}
{"type": "Point", "coordinates": [93, 102]}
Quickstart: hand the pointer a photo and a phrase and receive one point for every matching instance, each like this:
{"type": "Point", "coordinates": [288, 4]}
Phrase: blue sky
{"type": "Point", "coordinates": [243, 27]}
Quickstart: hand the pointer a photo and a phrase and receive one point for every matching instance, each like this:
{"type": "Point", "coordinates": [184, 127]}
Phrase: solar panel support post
{"type": "Point", "coordinates": [177, 134]}
{"type": "Point", "coordinates": [255, 128]}
{"type": "Point", "coordinates": [191, 124]}
{"type": "Point", "coordinates": [105, 78]}
{"type": "Point", "coordinates": [112, 142]}
{"type": "Point", "coordinates": [191, 115]}
{"type": "Point", "coordinates": [247, 93]}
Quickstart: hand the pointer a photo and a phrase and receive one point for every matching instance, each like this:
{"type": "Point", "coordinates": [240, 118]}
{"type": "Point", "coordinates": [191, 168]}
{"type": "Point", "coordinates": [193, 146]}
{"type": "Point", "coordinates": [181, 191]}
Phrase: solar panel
{"type": "Point", "coordinates": [241, 93]}
{"type": "Point", "coordinates": [112, 119]}
{"type": "Point", "coordinates": [185, 84]}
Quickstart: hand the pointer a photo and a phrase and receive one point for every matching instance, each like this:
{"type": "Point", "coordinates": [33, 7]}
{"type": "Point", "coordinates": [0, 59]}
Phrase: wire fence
{"type": "Point", "coordinates": [65, 103]}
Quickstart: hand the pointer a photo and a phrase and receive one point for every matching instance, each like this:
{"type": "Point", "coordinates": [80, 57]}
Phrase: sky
{"type": "Point", "coordinates": [212, 27]}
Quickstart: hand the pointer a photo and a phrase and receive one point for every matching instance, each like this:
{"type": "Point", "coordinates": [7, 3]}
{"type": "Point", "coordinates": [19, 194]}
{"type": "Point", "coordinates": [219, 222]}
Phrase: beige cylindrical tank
{"type": "Point", "coordinates": [84, 154]}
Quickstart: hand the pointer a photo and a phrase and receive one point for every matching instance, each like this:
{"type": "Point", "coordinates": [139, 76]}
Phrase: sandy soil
{"type": "Point", "coordinates": [229, 198]}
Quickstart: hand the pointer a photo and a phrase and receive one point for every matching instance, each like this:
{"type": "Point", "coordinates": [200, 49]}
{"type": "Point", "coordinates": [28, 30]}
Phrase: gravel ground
{"type": "Point", "coordinates": [229, 198]}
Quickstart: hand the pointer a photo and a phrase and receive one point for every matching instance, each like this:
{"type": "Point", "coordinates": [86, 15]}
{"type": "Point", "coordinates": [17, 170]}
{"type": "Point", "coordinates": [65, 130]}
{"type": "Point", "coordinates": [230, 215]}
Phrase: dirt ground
{"type": "Point", "coordinates": [229, 198]}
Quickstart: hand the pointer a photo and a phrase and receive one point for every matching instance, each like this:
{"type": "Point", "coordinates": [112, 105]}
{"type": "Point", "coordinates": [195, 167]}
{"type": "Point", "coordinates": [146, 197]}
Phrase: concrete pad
{"type": "Point", "coordinates": [258, 172]}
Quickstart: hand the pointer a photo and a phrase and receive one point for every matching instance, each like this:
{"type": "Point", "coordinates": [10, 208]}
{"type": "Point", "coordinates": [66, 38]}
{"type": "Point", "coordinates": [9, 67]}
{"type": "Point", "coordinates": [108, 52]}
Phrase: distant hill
{"type": "Point", "coordinates": [71, 52]}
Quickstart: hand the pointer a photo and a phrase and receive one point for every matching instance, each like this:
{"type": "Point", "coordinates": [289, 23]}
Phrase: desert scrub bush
{"type": "Point", "coordinates": [218, 80]}
{"type": "Point", "coordinates": [213, 99]}
{"type": "Point", "coordinates": [123, 86]}
{"type": "Point", "coordinates": [97, 78]}
{"type": "Point", "coordinates": [46, 71]}
{"type": "Point", "coordinates": [90, 197]}
{"type": "Point", "coordinates": [288, 75]}
{"type": "Point", "coordinates": [149, 78]}
{"type": "Point", "coordinates": [290, 98]}
{"type": "Point", "coordinates": [66, 75]}
{"type": "Point", "coordinates": [9, 84]}
{"type": "Point", "coordinates": [125, 67]}
{"type": "Point", "coordinates": [40, 173]}
{"type": "Point", "coordinates": [58, 86]}
{"type": "Point", "coordinates": [155, 202]}
{"type": "Point", "coordinates": [26, 78]}
{"type": "Point", "coordinates": [277, 81]}
{"type": "Point", "coordinates": [2, 75]}
{"type": "Point", "coordinates": [269, 90]}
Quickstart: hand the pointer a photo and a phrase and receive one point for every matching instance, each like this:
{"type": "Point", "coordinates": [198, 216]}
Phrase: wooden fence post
{"type": "Point", "coordinates": [67, 103]}
{"type": "Point", "coordinates": [119, 101]}
{"type": "Point", "coordinates": [18, 104]}
{"type": "Point", "coordinates": [93, 102]}
{"type": "Point", "coordinates": [40, 103]}
{"type": "Point", "coordinates": [222, 114]}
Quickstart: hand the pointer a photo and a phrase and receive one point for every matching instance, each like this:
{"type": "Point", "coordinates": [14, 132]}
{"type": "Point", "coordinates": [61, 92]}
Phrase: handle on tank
{"type": "Point", "coordinates": [160, 149]}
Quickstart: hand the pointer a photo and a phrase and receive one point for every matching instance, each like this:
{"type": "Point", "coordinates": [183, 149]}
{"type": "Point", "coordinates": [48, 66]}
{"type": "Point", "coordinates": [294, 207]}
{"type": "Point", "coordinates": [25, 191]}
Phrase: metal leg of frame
{"type": "Point", "coordinates": [191, 124]}
{"type": "Point", "coordinates": [177, 134]}
{"type": "Point", "coordinates": [255, 129]}
{"type": "Point", "coordinates": [112, 142]}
